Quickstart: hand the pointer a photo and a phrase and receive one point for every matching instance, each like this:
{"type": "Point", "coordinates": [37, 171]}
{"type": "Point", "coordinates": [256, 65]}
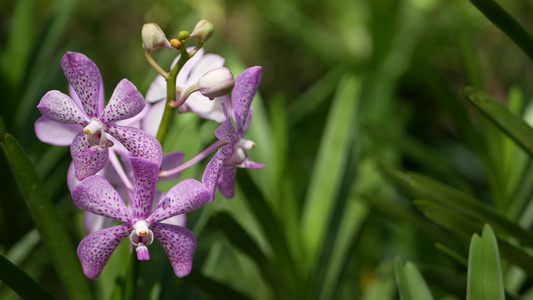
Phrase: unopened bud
{"type": "Point", "coordinates": [153, 37]}
{"type": "Point", "coordinates": [216, 83]}
{"type": "Point", "coordinates": [203, 31]}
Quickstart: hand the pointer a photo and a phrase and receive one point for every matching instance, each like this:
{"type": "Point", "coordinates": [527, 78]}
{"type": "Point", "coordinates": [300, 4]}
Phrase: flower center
{"type": "Point", "coordinates": [140, 237]}
{"type": "Point", "coordinates": [240, 154]}
{"type": "Point", "coordinates": [96, 136]}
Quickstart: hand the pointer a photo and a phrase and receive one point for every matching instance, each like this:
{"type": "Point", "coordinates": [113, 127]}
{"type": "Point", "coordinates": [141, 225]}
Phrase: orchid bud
{"type": "Point", "coordinates": [216, 83]}
{"type": "Point", "coordinates": [153, 37]}
{"type": "Point", "coordinates": [203, 31]}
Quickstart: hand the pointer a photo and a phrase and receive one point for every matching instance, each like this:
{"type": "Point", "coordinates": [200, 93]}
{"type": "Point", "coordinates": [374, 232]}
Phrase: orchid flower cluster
{"type": "Point", "coordinates": [116, 149]}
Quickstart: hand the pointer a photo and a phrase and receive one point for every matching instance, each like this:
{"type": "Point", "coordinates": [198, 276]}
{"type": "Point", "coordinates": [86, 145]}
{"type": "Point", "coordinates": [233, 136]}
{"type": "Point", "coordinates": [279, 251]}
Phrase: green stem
{"type": "Point", "coordinates": [131, 278]}
{"type": "Point", "coordinates": [171, 97]}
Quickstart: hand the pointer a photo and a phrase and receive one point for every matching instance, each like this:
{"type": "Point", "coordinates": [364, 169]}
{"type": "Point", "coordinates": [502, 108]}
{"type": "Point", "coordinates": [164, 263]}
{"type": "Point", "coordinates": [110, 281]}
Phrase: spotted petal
{"type": "Point", "coordinates": [96, 195]}
{"type": "Point", "coordinates": [179, 244]}
{"type": "Point", "coordinates": [55, 133]}
{"type": "Point", "coordinates": [145, 177]}
{"type": "Point", "coordinates": [138, 142]}
{"type": "Point", "coordinates": [59, 107]}
{"type": "Point", "coordinates": [245, 88]}
{"type": "Point", "coordinates": [226, 182]}
{"type": "Point", "coordinates": [184, 197]}
{"type": "Point", "coordinates": [226, 132]}
{"type": "Point", "coordinates": [126, 102]}
{"type": "Point", "coordinates": [95, 249]}
{"type": "Point", "coordinates": [86, 166]}
{"type": "Point", "coordinates": [212, 171]}
{"type": "Point", "coordinates": [84, 77]}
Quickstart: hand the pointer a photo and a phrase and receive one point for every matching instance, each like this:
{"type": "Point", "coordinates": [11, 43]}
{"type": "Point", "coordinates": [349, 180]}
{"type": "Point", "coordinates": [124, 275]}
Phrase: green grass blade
{"type": "Point", "coordinates": [512, 125]}
{"type": "Point", "coordinates": [484, 271]}
{"type": "Point", "coordinates": [426, 188]}
{"type": "Point", "coordinates": [20, 282]}
{"type": "Point", "coordinates": [54, 234]}
{"type": "Point", "coordinates": [497, 15]}
{"type": "Point", "coordinates": [329, 167]}
{"type": "Point", "coordinates": [411, 284]}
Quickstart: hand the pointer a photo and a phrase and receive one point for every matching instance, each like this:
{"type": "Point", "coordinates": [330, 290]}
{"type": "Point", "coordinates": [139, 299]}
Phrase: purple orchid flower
{"type": "Point", "coordinates": [96, 195]}
{"type": "Point", "coordinates": [89, 148]}
{"type": "Point", "coordinates": [120, 175]}
{"type": "Point", "coordinates": [235, 153]}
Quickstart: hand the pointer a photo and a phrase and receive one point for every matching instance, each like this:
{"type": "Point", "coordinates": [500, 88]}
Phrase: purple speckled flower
{"type": "Point", "coordinates": [235, 153]}
{"type": "Point", "coordinates": [96, 195]}
{"type": "Point", "coordinates": [64, 116]}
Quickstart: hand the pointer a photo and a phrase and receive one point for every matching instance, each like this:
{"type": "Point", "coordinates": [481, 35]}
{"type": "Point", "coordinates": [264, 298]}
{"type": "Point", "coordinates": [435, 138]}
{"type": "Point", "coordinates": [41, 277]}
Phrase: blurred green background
{"type": "Point", "coordinates": [353, 95]}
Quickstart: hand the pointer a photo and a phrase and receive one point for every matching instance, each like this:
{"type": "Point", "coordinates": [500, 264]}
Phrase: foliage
{"type": "Point", "coordinates": [391, 130]}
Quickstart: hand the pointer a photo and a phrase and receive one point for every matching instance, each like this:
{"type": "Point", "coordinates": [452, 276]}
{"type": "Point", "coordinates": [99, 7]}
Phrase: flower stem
{"type": "Point", "coordinates": [193, 161]}
{"type": "Point", "coordinates": [171, 96]}
{"type": "Point", "coordinates": [152, 62]}
{"type": "Point", "coordinates": [132, 275]}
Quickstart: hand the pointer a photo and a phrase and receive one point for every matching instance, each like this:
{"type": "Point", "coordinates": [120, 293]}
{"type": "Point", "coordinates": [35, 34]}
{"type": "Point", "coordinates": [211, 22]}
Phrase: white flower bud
{"type": "Point", "coordinates": [202, 31]}
{"type": "Point", "coordinates": [153, 37]}
{"type": "Point", "coordinates": [216, 83]}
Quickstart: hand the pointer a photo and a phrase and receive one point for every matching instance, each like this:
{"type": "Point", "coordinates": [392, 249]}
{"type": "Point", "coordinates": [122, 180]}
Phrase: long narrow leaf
{"type": "Point", "coordinates": [54, 234]}
{"type": "Point", "coordinates": [411, 284]}
{"type": "Point", "coordinates": [423, 187]}
{"type": "Point", "coordinates": [484, 272]}
{"type": "Point", "coordinates": [20, 282]}
{"type": "Point", "coordinates": [512, 125]}
{"type": "Point", "coordinates": [503, 20]}
{"type": "Point", "coordinates": [330, 164]}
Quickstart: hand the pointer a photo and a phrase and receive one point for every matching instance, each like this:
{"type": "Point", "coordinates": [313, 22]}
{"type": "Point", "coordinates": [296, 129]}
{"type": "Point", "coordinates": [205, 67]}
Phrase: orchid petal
{"type": "Point", "coordinates": [226, 132]}
{"type": "Point", "coordinates": [184, 197]}
{"type": "Point", "coordinates": [126, 102]}
{"type": "Point", "coordinates": [207, 63]}
{"type": "Point", "coordinates": [135, 121]}
{"type": "Point", "coordinates": [84, 77]}
{"type": "Point", "coordinates": [146, 174]}
{"type": "Point", "coordinates": [157, 90]}
{"type": "Point", "coordinates": [95, 249]}
{"type": "Point", "coordinates": [92, 223]}
{"type": "Point", "coordinates": [251, 165]}
{"type": "Point", "coordinates": [179, 220]}
{"type": "Point", "coordinates": [226, 182]}
{"type": "Point", "coordinates": [179, 244]}
{"type": "Point", "coordinates": [212, 171]}
{"type": "Point", "coordinates": [86, 165]}
{"type": "Point", "coordinates": [58, 107]}
{"type": "Point", "coordinates": [96, 195]}
{"type": "Point", "coordinates": [183, 75]}
{"type": "Point", "coordinates": [245, 88]}
{"type": "Point", "coordinates": [138, 142]}
{"type": "Point", "coordinates": [55, 133]}
{"type": "Point", "coordinates": [151, 121]}
{"type": "Point", "coordinates": [170, 161]}
{"type": "Point", "coordinates": [208, 109]}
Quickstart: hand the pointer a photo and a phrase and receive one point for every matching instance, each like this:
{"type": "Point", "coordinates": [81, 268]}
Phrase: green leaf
{"type": "Point", "coordinates": [466, 227]}
{"type": "Point", "coordinates": [426, 188]}
{"type": "Point", "coordinates": [418, 152]}
{"type": "Point", "coordinates": [53, 233]}
{"type": "Point", "coordinates": [497, 15]}
{"type": "Point", "coordinates": [512, 125]}
{"type": "Point", "coordinates": [411, 284]}
{"type": "Point", "coordinates": [484, 271]}
{"type": "Point", "coordinates": [20, 282]}
{"type": "Point", "coordinates": [329, 167]}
